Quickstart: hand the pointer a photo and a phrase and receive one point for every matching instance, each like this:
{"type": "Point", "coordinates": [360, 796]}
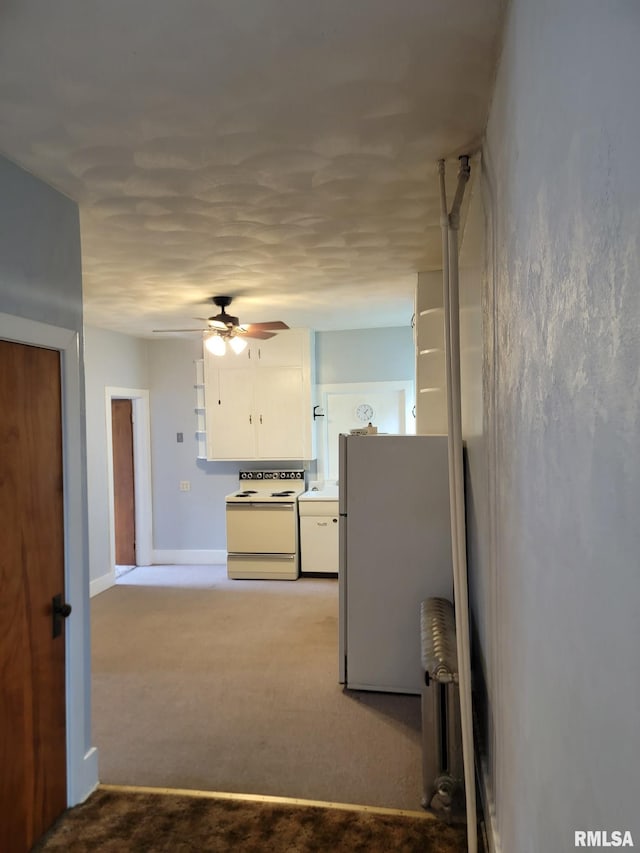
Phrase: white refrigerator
{"type": "Point", "coordinates": [395, 551]}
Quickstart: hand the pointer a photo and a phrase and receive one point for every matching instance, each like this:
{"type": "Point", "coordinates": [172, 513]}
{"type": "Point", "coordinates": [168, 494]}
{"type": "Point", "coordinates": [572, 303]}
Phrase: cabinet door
{"type": "Point", "coordinates": [279, 410]}
{"type": "Point", "coordinates": [230, 359]}
{"type": "Point", "coordinates": [319, 543]}
{"type": "Point", "coordinates": [230, 419]}
{"type": "Point", "coordinates": [285, 350]}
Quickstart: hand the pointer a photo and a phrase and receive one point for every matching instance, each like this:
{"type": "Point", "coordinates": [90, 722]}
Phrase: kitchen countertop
{"type": "Point", "coordinates": [326, 492]}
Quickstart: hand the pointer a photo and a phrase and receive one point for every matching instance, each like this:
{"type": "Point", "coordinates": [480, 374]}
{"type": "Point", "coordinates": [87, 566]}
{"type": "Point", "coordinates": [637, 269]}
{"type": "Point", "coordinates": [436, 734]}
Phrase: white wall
{"type": "Point", "coordinates": [561, 409]}
{"type": "Point", "coordinates": [41, 281]}
{"type": "Point", "coordinates": [111, 360]}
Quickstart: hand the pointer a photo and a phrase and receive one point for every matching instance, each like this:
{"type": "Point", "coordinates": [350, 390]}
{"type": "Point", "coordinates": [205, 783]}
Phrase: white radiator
{"type": "Point", "coordinates": [442, 768]}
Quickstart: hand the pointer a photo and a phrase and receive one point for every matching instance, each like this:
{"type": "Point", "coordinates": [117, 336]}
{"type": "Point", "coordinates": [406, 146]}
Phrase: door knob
{"type": "Point", "coordinates": [59, 610]}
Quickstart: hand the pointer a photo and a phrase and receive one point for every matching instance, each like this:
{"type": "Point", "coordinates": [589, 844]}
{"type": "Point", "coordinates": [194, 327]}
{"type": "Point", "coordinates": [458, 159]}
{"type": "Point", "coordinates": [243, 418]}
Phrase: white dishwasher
{"type": "Point", "coordinates": [318, 511]}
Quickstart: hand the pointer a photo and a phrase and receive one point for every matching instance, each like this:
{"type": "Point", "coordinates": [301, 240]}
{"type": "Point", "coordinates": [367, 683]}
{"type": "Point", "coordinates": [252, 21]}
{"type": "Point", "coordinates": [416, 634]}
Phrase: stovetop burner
{"type": "Point", "coordinates": [268, 487]}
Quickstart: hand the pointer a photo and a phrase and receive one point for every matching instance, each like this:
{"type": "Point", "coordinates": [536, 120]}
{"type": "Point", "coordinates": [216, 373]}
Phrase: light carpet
{"type": "Point", "coordinates": [205, 683]}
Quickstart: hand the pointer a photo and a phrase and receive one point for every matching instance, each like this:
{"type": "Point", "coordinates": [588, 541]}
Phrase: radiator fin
{"type": "Point", "coordinates": [438, 639]}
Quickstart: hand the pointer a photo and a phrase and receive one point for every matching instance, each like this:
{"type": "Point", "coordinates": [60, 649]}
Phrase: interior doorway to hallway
{"type": "Point", "coordinates": [128, 452]}
{"type": "Point", "coordinates": [124, 503]}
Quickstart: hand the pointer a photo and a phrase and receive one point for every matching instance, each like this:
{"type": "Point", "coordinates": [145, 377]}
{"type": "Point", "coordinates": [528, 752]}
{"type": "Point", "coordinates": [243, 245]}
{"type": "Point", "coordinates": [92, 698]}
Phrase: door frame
{"type": "Point", "coordinates": [141, 473]}
{"type": "Point", "coordinates": [82, 758]}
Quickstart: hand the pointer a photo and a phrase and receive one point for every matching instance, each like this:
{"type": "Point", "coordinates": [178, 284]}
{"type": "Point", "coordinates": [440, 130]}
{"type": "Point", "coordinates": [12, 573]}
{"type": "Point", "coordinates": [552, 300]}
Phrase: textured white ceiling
{"type": "Point", "coordinates": [282, 151]}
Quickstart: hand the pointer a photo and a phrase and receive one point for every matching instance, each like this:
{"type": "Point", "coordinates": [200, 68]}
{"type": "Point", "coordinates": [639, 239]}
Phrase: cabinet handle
{"type": "Point", "coordinates": [250, 419]}
{"type": "Point", "coordinates": [259, 353]}
{"type": "Point", "coordinates": [260, 418]}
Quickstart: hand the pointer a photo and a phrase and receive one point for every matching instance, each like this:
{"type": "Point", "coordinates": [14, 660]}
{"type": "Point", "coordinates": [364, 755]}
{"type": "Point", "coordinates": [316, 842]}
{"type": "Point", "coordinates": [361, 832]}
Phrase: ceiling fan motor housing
{"type": "Point", "coordinates": [222, 301]}
{"type": "Point", "coordinates": [228, 319]}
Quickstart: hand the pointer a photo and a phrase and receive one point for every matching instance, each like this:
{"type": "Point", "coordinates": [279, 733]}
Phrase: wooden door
{"type": "Point", "coordinates": [32, 663]}
{"type": "Point", "coordinates": [123, 482]}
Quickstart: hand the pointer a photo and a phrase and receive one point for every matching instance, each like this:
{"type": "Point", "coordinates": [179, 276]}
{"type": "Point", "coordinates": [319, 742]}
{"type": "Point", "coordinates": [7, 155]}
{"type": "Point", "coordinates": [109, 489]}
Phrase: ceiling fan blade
{"type": "Point", "coordinates": [252, 332]}
{"type": "Point", "coordinates": [179, 330]}
{"type": "Point", "coordinates": [275, 324]}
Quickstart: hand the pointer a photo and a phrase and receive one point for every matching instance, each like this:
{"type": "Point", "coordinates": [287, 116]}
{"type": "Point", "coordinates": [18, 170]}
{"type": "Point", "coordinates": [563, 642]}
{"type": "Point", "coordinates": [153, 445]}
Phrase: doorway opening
{"type": "Point", "coordinates": [125, 550]}
{"type": "Point", "coordinates": [124, 503]}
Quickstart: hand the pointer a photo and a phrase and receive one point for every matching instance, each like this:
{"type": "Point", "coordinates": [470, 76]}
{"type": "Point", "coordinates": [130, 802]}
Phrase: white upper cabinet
{"type": "Point", "coordinates": [281, 407]}
{"type": "Point", "coordinates": [259, 405]}
{"type": "Point", "coordinates": [286, 349]}
{"type": "Point", "coordinates": [230, 427]}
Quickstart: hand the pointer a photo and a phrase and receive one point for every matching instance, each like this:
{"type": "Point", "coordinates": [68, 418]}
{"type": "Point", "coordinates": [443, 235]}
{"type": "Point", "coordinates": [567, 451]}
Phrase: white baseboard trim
{"type": "Point", "coordinates": [189, 558]}
{"type": "Point", "coordinates": [100, 584]}
{"type": "Point", "coordinates": [488, 808]}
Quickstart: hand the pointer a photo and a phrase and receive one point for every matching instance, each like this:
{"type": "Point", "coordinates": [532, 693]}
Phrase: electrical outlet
{"type": "Point", "coordinates": [185, 486]}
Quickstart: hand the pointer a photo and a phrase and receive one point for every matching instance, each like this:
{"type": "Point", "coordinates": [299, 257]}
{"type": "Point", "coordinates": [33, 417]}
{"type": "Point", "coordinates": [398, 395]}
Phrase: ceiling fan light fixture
{"type": "Point", "coordinates": [237, 344]}
{"type": "Point", "coordinates": [215, 344]}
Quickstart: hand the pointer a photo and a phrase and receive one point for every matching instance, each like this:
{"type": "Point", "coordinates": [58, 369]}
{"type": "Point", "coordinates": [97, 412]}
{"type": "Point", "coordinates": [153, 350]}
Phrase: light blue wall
{"type": "Point", "coordinates": [40, 267]}
{"type": "Point", "coordinates": [41, 280]}
{"type": "Point", "coordinates": [559, 602]}
{"type": "Point", "coordinates": [192, 520]}
{"type": "Point", "coordinates": [365, 355]}
{"type": "Point", "coordinates": [111, 360]}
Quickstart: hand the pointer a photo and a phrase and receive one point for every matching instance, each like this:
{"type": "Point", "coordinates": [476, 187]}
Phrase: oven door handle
{"type": "Point", "coordinates": [259, 555]}
{"type": "Point", "coordinates": [260, 505]}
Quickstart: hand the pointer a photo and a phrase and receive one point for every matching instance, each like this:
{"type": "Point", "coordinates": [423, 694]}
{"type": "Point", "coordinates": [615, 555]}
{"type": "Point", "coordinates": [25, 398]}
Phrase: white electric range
{"type": "Point", "coordinates": [262, 525]}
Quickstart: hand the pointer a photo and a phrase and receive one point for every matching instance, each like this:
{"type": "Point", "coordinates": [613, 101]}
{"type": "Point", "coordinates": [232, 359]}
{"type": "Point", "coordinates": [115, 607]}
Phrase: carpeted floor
{"type": "Point", "coordinates": [126, 822]}
{"type": "Point", "coordinates": [205, 683]}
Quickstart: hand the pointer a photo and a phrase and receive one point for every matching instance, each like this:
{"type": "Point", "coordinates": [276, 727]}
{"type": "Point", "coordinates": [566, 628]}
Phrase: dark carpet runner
{"type": "Point", "coordinates": [118, 822]}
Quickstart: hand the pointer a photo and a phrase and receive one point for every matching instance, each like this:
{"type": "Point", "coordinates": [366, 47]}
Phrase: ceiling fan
{"type": "Point", "coordinates": [224, 327]}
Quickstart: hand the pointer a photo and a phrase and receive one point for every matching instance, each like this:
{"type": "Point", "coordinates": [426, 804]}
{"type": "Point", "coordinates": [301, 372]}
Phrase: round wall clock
{"type": "Point", "coordinates": [364, 412]}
